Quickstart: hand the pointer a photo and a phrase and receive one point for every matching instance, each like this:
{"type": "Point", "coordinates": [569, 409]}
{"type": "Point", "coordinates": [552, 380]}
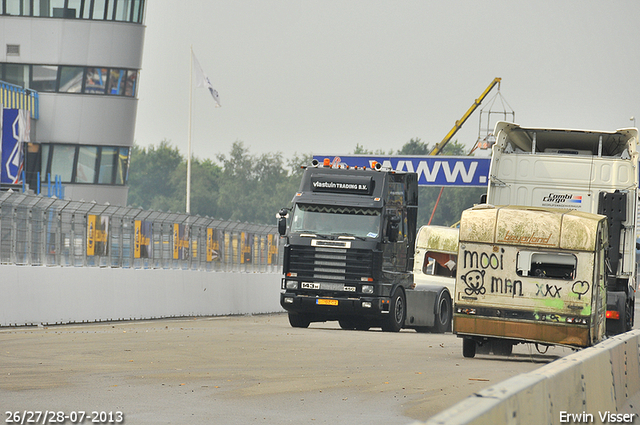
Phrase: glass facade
{"type": "Point", "coordinates": [88, 164]}
{"type": "Point", "coordinates": [71, 79]}
{"type": "Point", "coordinates": [103, 10]}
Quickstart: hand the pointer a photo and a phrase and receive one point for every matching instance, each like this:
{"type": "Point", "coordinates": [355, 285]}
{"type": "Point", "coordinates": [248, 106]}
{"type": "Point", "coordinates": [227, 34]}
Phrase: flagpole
{"type": "Point", "coordinates": [189, 138]}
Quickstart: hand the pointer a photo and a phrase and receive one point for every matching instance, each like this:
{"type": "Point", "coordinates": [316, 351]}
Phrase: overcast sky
{"type": "Point", "coordinates": [320, 76]}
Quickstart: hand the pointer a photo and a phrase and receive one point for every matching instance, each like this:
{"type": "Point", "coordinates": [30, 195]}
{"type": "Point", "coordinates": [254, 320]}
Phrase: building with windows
{"type": "Point", "coordinates": [83, 57]}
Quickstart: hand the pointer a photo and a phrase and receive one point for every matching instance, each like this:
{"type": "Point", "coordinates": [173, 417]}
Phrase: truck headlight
{"type": "Point", "coordinates": [292, 284]}
{"type": "Point", "coordinates": [367, 289]}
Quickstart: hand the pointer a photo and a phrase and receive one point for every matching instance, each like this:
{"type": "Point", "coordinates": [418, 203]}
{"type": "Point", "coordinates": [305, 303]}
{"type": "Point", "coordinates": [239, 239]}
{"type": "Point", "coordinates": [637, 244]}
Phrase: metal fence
{"type": "Point", "coordinates": [41, 231]}
{"type": "Point", "coordinates": [16, 97]}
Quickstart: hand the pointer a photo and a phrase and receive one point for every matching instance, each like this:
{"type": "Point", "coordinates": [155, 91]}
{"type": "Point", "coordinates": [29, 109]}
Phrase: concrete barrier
{"type": "Point", "coordinates": [32, 295]}
{"type": "Point", "coordinates": [600, 384]}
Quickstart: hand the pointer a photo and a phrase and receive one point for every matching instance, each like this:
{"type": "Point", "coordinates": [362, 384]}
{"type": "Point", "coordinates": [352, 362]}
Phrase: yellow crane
{"type": "Point", "coordinates": [438, 148]}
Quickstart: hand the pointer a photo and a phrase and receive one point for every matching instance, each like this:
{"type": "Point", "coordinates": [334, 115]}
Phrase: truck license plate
{"type": "Point", "coordinates": [326, 302]}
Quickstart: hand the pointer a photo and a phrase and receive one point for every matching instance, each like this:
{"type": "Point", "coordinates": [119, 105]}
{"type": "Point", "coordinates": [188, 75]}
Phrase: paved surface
{"type": "Point", "coordinates": [244, 369]}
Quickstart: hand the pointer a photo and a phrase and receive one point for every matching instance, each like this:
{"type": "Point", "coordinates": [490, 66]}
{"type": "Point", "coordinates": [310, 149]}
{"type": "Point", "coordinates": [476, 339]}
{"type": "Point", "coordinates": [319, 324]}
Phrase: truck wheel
{"type": "Point", "coordinates": [299, 320]}
{"type": "Point", "coordinates": [443, 315]}
{"type": "Point", "coordinates": [397, 312]}
{"type": "Point", "coordinates": [468, 348]}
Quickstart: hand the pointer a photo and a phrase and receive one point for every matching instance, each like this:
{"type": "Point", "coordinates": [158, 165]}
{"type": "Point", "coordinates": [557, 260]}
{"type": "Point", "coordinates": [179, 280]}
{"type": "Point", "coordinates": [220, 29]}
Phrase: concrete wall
{"type": "Point", "coordinates": [57, 295]}
{"type": "Point", "coordinates": [589, 383]}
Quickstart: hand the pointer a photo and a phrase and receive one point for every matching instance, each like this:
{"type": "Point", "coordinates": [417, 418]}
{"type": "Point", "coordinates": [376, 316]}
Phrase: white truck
{"type": "Point", "coordinates": [593, 172]}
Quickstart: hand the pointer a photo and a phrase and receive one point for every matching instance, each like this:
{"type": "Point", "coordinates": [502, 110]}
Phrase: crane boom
{"type": "Point", "coordinates": [438, 148]}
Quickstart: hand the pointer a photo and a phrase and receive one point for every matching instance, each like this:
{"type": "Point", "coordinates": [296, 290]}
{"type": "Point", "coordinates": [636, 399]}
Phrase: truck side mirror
{"type": "Point", "coordinates": [282, 221]}
{"type": "Point", "coordinates": [394, 228]}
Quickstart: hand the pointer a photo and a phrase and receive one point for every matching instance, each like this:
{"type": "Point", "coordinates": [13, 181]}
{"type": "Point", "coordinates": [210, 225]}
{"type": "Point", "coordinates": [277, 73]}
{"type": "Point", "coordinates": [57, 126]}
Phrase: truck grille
{"type": "Point", "coordinates": [330, 264]}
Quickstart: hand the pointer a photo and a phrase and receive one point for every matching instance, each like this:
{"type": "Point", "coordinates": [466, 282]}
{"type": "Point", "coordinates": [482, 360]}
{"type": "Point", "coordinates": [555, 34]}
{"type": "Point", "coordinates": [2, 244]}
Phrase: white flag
{"type": "Point", "coordinates": [203, 81]}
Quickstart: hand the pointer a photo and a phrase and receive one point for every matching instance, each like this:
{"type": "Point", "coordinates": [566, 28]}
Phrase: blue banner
{"type": "Point", "coordinates": [15, 132]}
{"type": "Point", "coordinates": [463, 171]}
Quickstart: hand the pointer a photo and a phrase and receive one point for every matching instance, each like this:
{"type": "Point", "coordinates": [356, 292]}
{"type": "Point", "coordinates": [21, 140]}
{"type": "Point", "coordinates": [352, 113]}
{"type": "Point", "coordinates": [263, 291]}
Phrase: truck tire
{"type": "Point", "coordinates": [297, 320]}
{"type": "Point", "coordinates": [443, 314]}
{"type": "Point", "coordinates": [397, 312]}
{"type": "Point", "coordinates": [468, 348]}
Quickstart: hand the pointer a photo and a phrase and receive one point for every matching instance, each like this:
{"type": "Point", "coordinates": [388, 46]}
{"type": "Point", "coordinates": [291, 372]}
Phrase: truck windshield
{"type": "Point", "coordinates": [335, 220]}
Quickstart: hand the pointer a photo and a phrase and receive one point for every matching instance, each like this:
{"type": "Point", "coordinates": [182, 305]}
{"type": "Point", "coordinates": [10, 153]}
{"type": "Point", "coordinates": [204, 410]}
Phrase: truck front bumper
{"type": "Point", "coordinates": [327, 308]}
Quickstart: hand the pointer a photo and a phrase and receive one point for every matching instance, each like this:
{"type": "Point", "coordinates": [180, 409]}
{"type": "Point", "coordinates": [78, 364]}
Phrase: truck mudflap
{"type": "Point", "coordinates": [319, 308]}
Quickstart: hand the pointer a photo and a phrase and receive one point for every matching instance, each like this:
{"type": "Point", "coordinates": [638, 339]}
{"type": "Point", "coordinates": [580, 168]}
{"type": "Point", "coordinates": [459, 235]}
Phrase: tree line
{"type": "Point", "coordinates": [252, 188]}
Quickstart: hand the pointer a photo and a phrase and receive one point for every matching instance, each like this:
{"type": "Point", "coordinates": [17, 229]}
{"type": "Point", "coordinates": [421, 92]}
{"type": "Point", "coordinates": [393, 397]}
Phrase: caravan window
{"type": "Point", "coordinates": [554, 265]}
{"type": "Point", "coordinates": [439, 264]}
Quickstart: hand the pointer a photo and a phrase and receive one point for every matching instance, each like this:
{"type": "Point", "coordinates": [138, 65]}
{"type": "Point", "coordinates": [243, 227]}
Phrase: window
{"type": "Point", "coordinates": [62, 159]}
{"type": "Point", "coordinates": [86, 9]}
{"type": "Point", "coordinates": [86, 168]}
{"type": "Point", "coordinates": [137, 8]}
{"type": "Point", "coordinates": [117, 81]}
{"type": "Point", "coordinates": [16, 74]}
{"type": "Point", "coordinates": [55, 8]}
{"type": "Point", "coordinates": [110, 11]}
{"type": "Point", "coordinates": [71, 79]}
{"type": "Point", "coordinates": [98, 9]}
{"type": "Point", "coordinates": [122, 10]}
{"type": "Point", "coordinates": [439, 264]}
{"type": "Point", "coordinates": [132, 77]}
{"type": "Point", "coordinates": [74, 9]}
{"type": "Point", "coordinates": [335, 220]}
{"type": "Point", "coordinates": [123, 166]}
{"type": "Point", "coordinates": [107, 162]}
{"type": "Point", "coordinates": [44, 162]}
{"type": "Point", "coordinates": [119, 10]}
{"type": "Point", "coordinates": [553, 265]}
{"type": "Point", "coordinates": [40, 8]}
{"type": "Point", "coordinates": [17, 7]}
{"type": "Point", "coordinates": [84, 164]}
{"type": "Point", "coordinates": [43, 78]}
{"type": "Point", "coordinates": [96, 81]}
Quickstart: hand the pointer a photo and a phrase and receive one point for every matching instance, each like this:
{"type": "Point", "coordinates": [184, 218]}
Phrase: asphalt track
{"type": "Point", "coordinates": [244, 369]}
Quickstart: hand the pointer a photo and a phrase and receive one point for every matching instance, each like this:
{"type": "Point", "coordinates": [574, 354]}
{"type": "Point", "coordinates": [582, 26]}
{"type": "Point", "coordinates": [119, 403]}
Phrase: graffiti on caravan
{"type": "Point", "coordinates": [431, 170]}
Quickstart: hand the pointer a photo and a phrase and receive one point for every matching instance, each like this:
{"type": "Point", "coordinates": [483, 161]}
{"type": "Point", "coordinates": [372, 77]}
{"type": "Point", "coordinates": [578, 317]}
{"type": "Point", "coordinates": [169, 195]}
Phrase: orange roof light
{"type": "Point", "coordinates": [327, 162]}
